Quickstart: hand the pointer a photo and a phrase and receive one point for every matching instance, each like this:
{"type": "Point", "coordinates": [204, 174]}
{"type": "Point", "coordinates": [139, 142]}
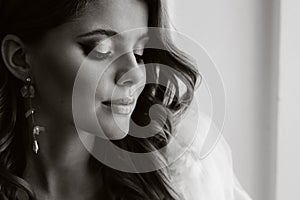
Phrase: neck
{"type": "Point", "coordinates": [62, 168]}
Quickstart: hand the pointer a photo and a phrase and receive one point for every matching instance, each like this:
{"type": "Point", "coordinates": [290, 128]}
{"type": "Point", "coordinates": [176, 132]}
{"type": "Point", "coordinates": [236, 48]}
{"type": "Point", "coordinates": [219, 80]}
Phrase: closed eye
{"type": "Point", "coordinates": [139, 58]}
{"type": "Point", "coordinates": [90, 51]}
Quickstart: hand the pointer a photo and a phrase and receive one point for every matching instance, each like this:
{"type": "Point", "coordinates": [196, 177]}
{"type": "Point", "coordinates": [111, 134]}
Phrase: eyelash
{"type": "Point", "coordinates": [139, 58]}
{"type": "Point", "coordinates": [88, 50]}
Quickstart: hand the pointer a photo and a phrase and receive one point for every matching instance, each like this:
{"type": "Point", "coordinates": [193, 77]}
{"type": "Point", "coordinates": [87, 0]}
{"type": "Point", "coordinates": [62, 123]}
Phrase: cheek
{"type": "Point", "coordinates": [92, 86]}
{"type": "Point", "coordinates": [114, 126]}
{"type": "Point", "coordinates": [54, 74]}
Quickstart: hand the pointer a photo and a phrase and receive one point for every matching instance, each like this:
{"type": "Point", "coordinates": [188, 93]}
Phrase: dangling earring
{"type": "Point", "coordinates": [28, 92]}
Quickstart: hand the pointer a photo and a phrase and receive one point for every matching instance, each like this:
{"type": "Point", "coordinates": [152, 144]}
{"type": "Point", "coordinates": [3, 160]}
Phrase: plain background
{"type": "Point", "coordinates": [256, 46]}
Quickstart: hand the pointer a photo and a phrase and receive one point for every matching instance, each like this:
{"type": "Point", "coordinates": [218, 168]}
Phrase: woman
{"type": "Point", "coordinates": [44, 44]}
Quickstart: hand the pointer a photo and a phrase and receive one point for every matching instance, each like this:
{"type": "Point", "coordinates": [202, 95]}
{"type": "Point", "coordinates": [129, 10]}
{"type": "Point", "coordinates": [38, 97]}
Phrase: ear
{"type": "Point", "coordinates": [14, 56]}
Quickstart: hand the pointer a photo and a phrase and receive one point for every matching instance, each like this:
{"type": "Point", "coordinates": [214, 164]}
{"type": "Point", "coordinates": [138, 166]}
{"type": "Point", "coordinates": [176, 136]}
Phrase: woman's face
{"type": "Point", "coordinates": [85, 43]}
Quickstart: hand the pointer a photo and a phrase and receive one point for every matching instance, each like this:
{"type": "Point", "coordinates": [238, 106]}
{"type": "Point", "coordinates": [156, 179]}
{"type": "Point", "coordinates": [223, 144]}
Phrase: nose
{"type": "Point", "coordinates": [129, 72]}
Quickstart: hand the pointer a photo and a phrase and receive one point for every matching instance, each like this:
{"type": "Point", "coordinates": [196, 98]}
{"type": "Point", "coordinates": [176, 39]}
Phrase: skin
{"type": "Point", "coordinates": [55, 71]}
{"type": "Point", "coordinates": [62, 165]}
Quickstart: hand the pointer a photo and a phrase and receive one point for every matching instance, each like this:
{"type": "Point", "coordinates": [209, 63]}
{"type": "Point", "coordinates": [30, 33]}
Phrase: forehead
{"type": "Point", "coordinates": [118, 15]}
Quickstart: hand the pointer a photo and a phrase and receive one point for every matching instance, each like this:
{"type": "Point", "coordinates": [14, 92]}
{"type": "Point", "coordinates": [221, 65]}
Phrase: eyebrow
{"type": "Point", "coordinates": [109, 33]}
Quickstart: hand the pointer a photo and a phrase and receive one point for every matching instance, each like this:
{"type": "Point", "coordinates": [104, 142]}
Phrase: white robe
{"type": "Point", "coordinates": [197, 178]}
{"type": "Point", "coordinates": [209, 179]}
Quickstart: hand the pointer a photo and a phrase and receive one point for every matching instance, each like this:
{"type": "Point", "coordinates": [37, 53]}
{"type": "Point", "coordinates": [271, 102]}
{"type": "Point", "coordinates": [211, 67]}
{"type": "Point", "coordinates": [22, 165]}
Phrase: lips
{"type": "Point", "coordinates": [123, 101]}
{"type": "Point", "coordinates": [122, 106]}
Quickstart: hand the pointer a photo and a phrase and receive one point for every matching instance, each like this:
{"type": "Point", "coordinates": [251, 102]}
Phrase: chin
{"type": "Point", "coordinates": [116, 130]}
{"type": "Point", "coordinates": [113, 126]}
{"type": "Point", "coordinates": [109, 131]}
{"type": "Point", "coordinates": [117, 137]}
{"type": "Point", "coordinates": [115, 134]}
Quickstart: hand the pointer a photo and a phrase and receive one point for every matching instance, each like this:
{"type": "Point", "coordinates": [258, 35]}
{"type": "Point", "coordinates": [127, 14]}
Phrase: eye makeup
{"type": "Point", "coordinates": [139, 49]}
{"type": "Point", "coordinates": [101, 49]}
{"type": "Point", "coordinates": [139, 53]}
{"type": "Point", "coordinates": [97, 49]}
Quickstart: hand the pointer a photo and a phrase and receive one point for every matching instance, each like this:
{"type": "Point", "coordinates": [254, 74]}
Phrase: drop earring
{"type": "Point", "coordinates": [28, 92]}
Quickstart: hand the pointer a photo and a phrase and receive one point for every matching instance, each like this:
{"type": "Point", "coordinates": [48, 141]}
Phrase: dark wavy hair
{"type": "Point", "coordinates": [31, 19]}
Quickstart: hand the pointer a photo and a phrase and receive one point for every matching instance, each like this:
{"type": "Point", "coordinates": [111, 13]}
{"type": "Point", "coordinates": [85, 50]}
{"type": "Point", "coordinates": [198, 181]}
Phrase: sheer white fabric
{"type": "Point", "coordinates": [209, 178]}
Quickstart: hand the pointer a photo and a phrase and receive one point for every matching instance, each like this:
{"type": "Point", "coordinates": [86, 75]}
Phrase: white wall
{"type": "Point", "coordinates": [241, 36]}
{"type": "Point", "coordinates": [288, 163]}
